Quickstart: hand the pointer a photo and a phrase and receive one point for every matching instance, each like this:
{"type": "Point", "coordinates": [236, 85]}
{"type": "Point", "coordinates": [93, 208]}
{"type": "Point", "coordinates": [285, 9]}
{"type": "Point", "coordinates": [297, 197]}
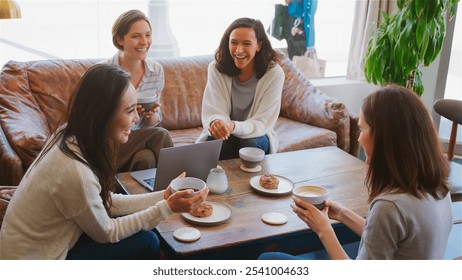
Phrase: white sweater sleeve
{"type": "Point", "coordinates": [84, 206]}
{"type": "Point", "coordinates": [129, 204]}
{"type": "Point", "coordinates": [216, 104]}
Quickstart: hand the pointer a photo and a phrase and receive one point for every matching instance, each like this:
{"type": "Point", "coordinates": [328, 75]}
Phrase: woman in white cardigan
{"type": "Point", "coordinates": [242, 98]}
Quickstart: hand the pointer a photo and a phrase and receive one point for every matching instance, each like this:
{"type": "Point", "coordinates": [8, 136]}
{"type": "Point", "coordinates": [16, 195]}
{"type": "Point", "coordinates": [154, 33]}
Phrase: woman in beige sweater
{"type": "Point", "coordinates": [64, 206]}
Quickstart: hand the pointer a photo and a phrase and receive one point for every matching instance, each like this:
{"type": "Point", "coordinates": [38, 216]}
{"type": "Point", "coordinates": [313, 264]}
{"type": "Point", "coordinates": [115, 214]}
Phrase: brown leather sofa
{"type": "Point", "coordinates": [34, 98]}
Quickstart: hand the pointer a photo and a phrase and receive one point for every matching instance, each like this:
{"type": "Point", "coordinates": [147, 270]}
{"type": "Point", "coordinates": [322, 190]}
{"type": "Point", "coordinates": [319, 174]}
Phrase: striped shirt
{"type": "Point", "coordinates": [153, 80]}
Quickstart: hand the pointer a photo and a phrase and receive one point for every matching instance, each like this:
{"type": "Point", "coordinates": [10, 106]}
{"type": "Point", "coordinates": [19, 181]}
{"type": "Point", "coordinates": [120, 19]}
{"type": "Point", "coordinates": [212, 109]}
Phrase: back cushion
{"type": "Point", "coordinates": [185, 79]}
{"type": "Point", "coordinates": [34, 98]}
{"type": "Point", "coordinates": [52, 83]}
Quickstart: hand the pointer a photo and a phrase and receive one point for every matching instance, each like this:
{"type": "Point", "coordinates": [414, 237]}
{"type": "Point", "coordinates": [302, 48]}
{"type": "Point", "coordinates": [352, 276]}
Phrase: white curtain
{"type": "Point", "coordinates": [368, 15]}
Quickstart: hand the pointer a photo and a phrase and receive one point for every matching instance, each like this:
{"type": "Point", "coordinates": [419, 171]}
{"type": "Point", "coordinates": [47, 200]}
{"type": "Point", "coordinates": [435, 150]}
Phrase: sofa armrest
{"type": "Point", "coordinates": [11, 167]}
{"type": "Point", "coordinates": [354, 135]}
{"type": "Point", "coordinates": [303, 102]}
{"type": "Point", "coordinates": [6, 193]}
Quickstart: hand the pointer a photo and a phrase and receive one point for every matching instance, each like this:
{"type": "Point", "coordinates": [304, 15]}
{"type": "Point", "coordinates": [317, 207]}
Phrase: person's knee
{"type": "Point", "coordinates": [261, 142]}
{"type": "Point", "coordinates": [269, 256]}
{"type": "Point", "coordinates": [277, 256]}
{"type": "Point", "coordinates": [150, 245]}
{"type": "Point", "coordinates": [143, 159]}
{"type": "Point", "coordinates": [159, 136]}
{"type": "Point", "coordinates": [160, 132]}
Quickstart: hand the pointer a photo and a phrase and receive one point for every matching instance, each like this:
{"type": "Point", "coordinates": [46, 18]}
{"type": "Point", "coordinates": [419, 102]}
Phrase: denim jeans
{"type": "Point", "coordinates": [278, 256]}
{"type": "Point", "coordinates": [351, 249]}
{"type": "Point", "coordinates": [230, 148]}
{"type": "Point", "coordinates": [143, 245]}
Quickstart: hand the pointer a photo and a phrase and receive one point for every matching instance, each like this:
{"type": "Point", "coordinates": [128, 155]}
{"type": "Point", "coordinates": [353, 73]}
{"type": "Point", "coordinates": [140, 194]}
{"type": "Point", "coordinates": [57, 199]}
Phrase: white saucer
{"type": "Point", "coordinates": [274, 218]}
{"type": "Point", "coordinates": [221, 214]}
{"type": "Point", "coordinates": [187, 234]}
{"type": "Point", "coordinates": [254, 169]}
{"type": "Point", "coordinates": [285, 186]}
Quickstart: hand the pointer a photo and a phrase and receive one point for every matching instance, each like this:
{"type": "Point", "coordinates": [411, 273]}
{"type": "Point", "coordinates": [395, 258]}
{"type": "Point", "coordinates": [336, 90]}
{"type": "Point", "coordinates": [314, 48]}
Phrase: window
{"type": "Point", "coordinates": [453, 82]}
{"type": "Point", "coordinates": [82, 29]}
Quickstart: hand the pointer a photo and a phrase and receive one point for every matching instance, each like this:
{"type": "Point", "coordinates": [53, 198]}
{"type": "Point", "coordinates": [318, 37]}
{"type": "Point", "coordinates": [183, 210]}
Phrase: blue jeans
{"type": "Point", "coordinates": [230, 148]}
{"type": "Point", "coordinates": [143, 245]}
{"type": "Point", "coordinates": [351, 249]}
{"type": "Point", "coordinates": [278, 256]}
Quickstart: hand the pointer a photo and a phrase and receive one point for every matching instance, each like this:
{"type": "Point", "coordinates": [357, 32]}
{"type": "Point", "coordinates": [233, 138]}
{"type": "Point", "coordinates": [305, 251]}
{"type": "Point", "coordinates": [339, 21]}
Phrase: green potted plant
{"type": "Point", "coordinates": [412, 38]}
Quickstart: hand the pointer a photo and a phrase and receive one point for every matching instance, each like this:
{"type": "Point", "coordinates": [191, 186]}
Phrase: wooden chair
{"type": "Point", "coordinates": [451, 109]}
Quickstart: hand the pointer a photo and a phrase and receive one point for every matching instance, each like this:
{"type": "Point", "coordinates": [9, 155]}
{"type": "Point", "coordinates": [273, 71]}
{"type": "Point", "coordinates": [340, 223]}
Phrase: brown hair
{"type": "Point", "coordinates": [123, 23]}
{"type": "Point", "coordinates": [92, 110]}
{"type": "Point", "coordinates": [264, 59]}
{"type": "Point", "coordinates": [407, 156]}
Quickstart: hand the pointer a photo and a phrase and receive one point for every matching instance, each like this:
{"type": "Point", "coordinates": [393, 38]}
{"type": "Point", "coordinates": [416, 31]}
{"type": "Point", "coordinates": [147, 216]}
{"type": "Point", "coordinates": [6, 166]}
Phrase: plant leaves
{"type": "Point", "coordinates": [421, 28]}
{"type": "Point", "coordinates": [410, 38]}
{"type": "Point", "coordinates": [418, 84]}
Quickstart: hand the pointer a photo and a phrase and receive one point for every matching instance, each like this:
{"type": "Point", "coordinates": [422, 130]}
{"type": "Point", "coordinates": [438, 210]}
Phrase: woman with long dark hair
{"type": "Point", "coordinates": [65, 207]}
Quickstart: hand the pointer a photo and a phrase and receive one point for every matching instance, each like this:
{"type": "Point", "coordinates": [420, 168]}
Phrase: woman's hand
{"type": "Point", "coordinates": [219, 129]}
{"type": "Point", "coordinates": [151, 117]}
{"type": "Point", "coordinates": [316, 219]}
{"type": "Point", "coordinates": [335, 209]}
{"type": "Point", "coordinates": [168, 191]}
{"type": "Point", "coordinates": [180, 203]}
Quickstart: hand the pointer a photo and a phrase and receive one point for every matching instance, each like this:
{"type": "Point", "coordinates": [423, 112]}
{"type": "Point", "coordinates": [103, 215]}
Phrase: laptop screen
{"type": "Point", "coordinates": [194, 159]}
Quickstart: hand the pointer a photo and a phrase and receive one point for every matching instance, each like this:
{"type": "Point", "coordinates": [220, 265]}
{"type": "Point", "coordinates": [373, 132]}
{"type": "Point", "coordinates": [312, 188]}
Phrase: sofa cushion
{"type": "Point", "coordinates": [52, 83]}
{"type": "Point", "coordinates": [294, 135]}
{"type": "Point", "coordinates": [35, 97]}
{"type": "Point", "coordinates": [185, 79]}
{"type": "Point", "coordinates": [186, 136]}
{"type": "Point", "coordinates": [23, 123]}
{"type": "Point", "coordinates": [303, 102]}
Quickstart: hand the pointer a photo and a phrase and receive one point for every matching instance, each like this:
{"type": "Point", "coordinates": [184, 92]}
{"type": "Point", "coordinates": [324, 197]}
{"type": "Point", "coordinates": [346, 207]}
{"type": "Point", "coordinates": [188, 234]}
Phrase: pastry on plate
{"type": "Point", "coordinates": [269, 181]}
{"type": "Point", "coordinates": [204, 211]}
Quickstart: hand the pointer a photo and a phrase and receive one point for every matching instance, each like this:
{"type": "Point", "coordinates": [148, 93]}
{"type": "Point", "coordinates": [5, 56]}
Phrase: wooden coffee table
{"type": "Point", "coordinates": [245, 235]}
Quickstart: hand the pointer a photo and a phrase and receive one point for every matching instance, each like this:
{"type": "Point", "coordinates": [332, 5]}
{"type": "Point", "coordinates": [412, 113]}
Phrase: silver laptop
{"type": "Point", "coordinates": [195, 159]}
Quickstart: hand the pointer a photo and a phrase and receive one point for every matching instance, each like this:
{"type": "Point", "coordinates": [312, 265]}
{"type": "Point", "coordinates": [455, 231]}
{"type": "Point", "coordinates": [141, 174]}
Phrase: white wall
{"type": "Point", "coordinates": [351, 93]}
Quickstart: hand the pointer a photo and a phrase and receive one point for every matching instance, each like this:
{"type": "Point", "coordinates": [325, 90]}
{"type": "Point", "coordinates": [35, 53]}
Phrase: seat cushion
{"type": "Point", "coordinates": [186, 136]}
{"type": "Point", "coordinates": [294, 135]}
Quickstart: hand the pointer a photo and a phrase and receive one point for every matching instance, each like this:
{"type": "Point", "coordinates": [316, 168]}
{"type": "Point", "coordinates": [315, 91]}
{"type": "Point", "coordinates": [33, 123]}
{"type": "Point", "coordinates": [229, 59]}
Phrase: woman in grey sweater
{"type": "Point", "coordinates": [410, 213]}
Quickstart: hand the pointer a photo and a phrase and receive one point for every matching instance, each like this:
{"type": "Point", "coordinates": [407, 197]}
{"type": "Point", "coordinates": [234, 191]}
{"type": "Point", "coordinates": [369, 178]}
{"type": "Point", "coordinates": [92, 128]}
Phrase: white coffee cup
{"type": "Point", "coordinates": [312, 194]}
{"type": "Point", "coordinates": [180, 184]}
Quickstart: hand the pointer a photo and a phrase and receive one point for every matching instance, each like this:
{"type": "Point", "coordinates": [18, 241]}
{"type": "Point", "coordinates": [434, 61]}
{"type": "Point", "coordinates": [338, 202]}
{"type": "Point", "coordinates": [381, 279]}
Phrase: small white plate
{"type": "Point", "coordinates": [221, 214]}
{"type": "Point", "coordinates": [251, 170]}
{"type": "Point", "coordinates": [187, 234]}
{"type": "Point", "coordinates": [284, 188]}
{"type": "Point", "coordinates": [274, 218]}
